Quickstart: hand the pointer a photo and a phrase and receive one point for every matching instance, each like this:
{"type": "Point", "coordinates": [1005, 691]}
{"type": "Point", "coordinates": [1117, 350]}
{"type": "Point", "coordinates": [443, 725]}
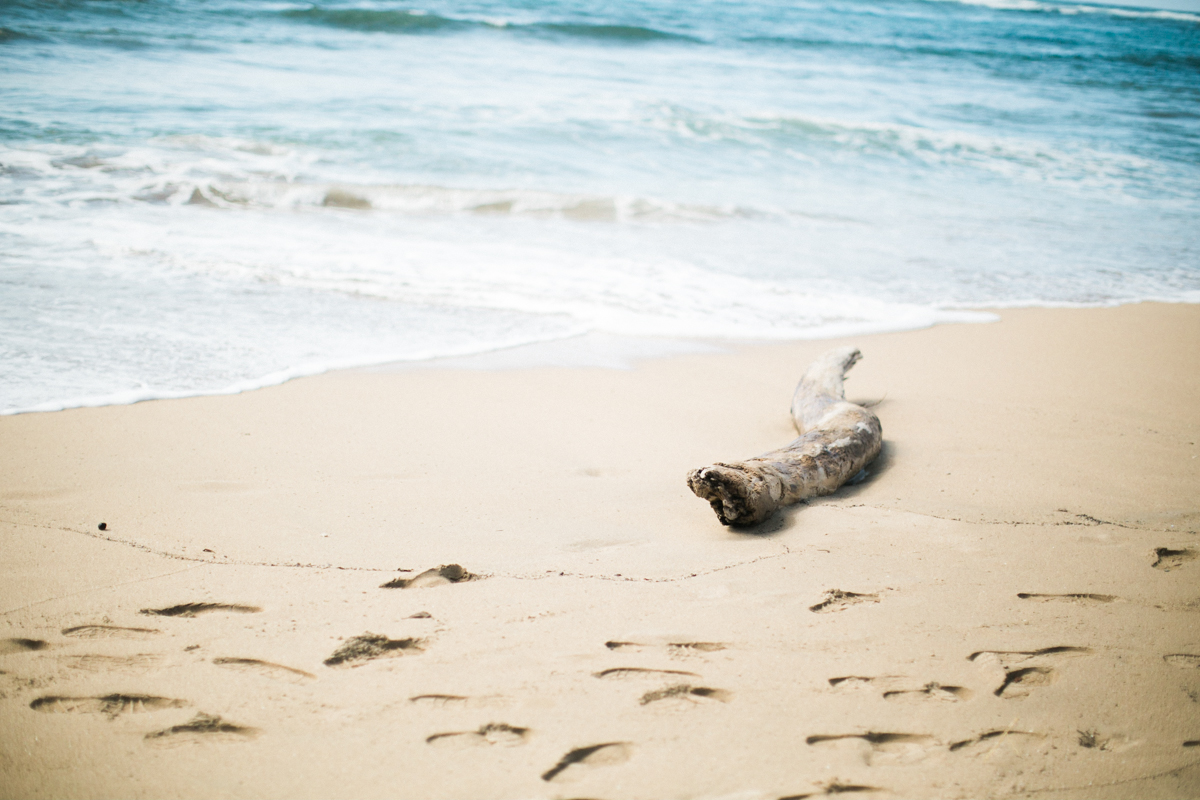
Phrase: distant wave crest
{"type": "Point", "coordinates": [417, 22]}
{"type": "Point", "coordinates": [365, 19]}
{"type": "Point", "coordinates": [1069, 9]}
{"type": "Point", "coordinates": [9, 35]}
{"type": "Point", "coordinates": [616, 33]}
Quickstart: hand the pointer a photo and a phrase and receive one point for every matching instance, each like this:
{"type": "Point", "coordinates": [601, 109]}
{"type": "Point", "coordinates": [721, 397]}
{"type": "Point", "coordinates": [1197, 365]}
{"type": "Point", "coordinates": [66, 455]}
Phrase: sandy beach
{"type": "Point", "coordinates": [1008, 605]}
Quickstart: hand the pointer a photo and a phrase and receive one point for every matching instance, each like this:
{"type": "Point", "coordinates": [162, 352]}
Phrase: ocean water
{"type": "Point", "coordinates": [204, 196]}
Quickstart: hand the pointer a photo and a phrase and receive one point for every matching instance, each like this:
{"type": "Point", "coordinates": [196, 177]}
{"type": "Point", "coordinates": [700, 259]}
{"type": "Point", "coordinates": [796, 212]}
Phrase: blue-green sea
{"type": "Point", "coordinates": [201, 196]}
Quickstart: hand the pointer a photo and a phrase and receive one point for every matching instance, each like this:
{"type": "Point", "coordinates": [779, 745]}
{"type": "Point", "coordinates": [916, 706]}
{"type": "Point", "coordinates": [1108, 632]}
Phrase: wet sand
{"type": "Point", "coordinates": [1008, 606]}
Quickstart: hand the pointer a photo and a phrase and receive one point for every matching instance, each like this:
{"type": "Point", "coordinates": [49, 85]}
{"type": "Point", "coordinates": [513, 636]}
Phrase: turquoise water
{"type": "Point", "coordinates": [201, 197]}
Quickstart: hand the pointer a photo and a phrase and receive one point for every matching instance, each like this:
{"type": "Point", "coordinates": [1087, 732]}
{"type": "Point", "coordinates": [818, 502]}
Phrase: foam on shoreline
{"type": "Point", "coordinates": [598, 349]}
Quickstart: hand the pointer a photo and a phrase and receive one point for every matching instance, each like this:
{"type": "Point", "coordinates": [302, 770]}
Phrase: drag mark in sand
{"type": "Point", "coordinates": [201, 728]}
{"type": "Point", "coordinates": [1069, 598]}
{"type": "Point", "coordinates": [596, 755]}
{"type": "Point", "coordinates": [196, 609]}
{"type": "Point", "coordinates": [111, 705]}
{"type": "Point", "coordinates": [1167, 559]}
{"type": "Point", "coordinates": [896, 748]}
{"type": "Point", "coordinates": [496, 733]}
{"type": "Point", "coordinates": [109, 632]}
{"type": "Point", "coordinates": [195, 562]}
{"type": "Point", "coordinates": [265, 668]}
{"type": "Point", "coordinates": [438, 576]}
{"type": "Point", "coordinates": [784, 551]}
{"type": "Point", "coordinates": [370, 646]}
{"type": "Point", "coordinates": [837, 600]}
{"type": "Point", "coordinates": [686, 692]}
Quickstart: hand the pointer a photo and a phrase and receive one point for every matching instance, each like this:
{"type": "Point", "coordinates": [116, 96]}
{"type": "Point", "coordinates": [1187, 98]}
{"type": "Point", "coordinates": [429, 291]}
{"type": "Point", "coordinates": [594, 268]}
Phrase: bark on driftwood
{"type": "Point", "coordinates": [837, 439]}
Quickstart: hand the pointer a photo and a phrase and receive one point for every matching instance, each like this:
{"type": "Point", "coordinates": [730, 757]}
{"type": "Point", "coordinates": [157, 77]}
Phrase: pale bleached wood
{"type": "Point", "coordinates": [837, 439]}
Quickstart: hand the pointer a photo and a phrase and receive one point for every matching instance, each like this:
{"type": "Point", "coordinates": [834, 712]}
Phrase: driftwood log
{"type": "Point", "coordinates": [837, 439]}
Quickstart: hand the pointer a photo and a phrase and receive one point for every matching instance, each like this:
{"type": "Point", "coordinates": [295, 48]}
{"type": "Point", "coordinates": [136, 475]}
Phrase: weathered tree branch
{"type": "Point", "coordinates": [837, 439]}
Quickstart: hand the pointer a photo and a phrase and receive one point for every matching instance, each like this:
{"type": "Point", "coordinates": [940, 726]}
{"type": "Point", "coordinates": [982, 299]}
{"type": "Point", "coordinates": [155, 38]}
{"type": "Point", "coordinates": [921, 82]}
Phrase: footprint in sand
{"type": "Point", "coordinates": [1092, 739]}
{"type": "Point", "coordinates": [90, 662]}
{"type": "Point", "coordinates": [201, 728]}
{"type": "Point", "coordinates": [196, 609]}
{"type": "Point", "coordinates": [634, 673]}
{"type": "Point", "coordinates": [855, 683]}
{"type": "Point", "coordinates": [582, 759]}
{"type": "Point", "coordinates": [1080, 599]}
{"type": "Point", "coordinates": [834, 787]}
{"type": "Point", "coordinates": [837, 600]}
{"type": "Point", "coordinates": [439, 700]}
{"type": "Point", "coordinates": [1183, 660]}
{"type": "Point", "coordinates": [880, 748]}
{"type": "Point", "coordinates": [929, 692]}
{"type": "Point", "coordinates": [371, 646]}
{"type": "Point", "coordinates": [109, 632]}
{"type": "Point", "coordinates": [438, 576]}
{"type": "Point", "coordinates": [111, 705]}
{"type": "Point", "coordinates": [687, 693]}
{"type": "Point", "coordinates": [21, 645]}
{"type": "Point", "coordinates": [899, 689]}
{"type": "Point", "coordinates": [496, 733]}
{"type": "Point", "coordinates": [999, 741]}
{"type": "Point", "coordinates": [1025, 670]}
{"type": "Point", "coordinates": [1167, 559]}
{"type": "Point", "coordinates": [266, 669]}
{"type": "Point", "coordinates": [673, 648]}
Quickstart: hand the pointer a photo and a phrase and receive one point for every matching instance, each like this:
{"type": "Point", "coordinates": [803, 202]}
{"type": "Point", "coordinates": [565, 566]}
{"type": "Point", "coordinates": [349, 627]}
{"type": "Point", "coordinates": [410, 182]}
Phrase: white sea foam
{"type": "Point", "coordinates": [298, 292]}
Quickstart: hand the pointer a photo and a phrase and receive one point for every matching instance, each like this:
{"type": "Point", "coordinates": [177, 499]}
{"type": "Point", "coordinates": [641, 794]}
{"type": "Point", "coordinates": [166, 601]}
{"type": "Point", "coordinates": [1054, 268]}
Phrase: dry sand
{"type": "Point", "coordinates": [1008, 606]}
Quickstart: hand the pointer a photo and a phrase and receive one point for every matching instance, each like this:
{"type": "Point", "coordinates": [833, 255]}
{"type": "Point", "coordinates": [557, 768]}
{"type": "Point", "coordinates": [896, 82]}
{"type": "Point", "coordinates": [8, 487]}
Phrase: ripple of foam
{"type": "Point", "coordinates": [657, 297]}
{"type": "Point", "coordinates": [164, 170]}
{"type": "Point", "coordinates": [234, 172]}
{"type": "Point", "coordinates": [418, 199]}
{"type": "Point", "coordinates": [250, 174]}
{"type": "Point", "coordinates": [1023, 159]}
{"type": "Point", "coordinates": [1053, 8]}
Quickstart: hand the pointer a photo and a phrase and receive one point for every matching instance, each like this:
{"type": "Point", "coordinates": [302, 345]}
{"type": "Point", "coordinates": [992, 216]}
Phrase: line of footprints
{"type": "Point", "coordinates": [1022, 671]}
